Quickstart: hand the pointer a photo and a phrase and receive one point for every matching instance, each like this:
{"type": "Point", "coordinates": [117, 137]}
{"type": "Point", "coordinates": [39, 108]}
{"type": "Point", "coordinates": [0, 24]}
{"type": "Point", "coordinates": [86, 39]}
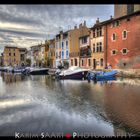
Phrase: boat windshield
{"type": "Point", "coordinates": [74, 68]}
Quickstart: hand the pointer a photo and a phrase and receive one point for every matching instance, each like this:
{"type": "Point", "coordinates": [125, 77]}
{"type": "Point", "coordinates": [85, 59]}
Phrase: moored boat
{"type": "Point", "coordinates": [39, 71]}
{"type": "Point", "coordinates": [101, 75]}
{"type": "Point", "coordinates": [6, 69]}
{"type": "Point", "coordinates": [73, 72]}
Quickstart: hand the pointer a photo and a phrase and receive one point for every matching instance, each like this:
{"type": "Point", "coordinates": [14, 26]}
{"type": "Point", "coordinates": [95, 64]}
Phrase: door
{"type": "Point", "coordinates": [94, 63]}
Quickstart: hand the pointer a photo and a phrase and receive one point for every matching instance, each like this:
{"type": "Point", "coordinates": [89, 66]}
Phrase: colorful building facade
{"type": "Point", "coordinates": [121, 41]}
{"type": "Point", "coordinates": [74, 43]}
{"type": "Point", "coordinates": [11, 56]}
{"type": "Point", "coordinates": [62, 49]}
{"type": "Point", "coordinates": [52, 53]}
{"type": "Point", "coordinates": [97, 45]}
{"type": "Point", "coordinates": [85, 51]}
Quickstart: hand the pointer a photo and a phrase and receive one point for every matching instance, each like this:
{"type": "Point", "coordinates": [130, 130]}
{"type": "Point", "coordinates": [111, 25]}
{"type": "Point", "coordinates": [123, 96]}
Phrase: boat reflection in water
{"type": "Point", "coordinates": [38, 104]}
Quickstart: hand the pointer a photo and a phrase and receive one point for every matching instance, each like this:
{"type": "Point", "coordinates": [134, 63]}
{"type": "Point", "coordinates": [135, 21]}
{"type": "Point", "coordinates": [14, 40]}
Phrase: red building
{"type": "Point", "coordinates": [122, 41]}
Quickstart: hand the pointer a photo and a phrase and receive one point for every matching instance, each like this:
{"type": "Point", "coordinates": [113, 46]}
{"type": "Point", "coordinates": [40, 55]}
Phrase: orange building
{"type": "Point", "coordinates": [121, 40]}
{"type": "Point", "coordinates": [52, 52]}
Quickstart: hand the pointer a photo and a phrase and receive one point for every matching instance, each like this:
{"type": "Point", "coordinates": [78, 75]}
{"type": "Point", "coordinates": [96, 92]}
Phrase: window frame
{"type": "Point", "coordinates": [124, 38]}
{"type": "Point", "coordinates": [115, 52]}
{"type": "Point", "coordinates": [112, 37]}
{"type": "Point", "coordinates": [123, 52]}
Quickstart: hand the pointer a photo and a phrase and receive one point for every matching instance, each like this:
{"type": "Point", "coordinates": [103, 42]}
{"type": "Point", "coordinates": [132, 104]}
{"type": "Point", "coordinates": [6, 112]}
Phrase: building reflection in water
{"type": "Point", "coordinates": [122, 106]}
{"type": "Point", "coordinates": [11, 78]}
{"type": "Point", "coordinates": [106, 108]}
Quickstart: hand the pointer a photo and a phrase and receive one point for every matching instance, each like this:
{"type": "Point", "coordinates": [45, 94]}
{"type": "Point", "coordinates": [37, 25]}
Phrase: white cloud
{"type": "Point", "coordinates": [25, 25]}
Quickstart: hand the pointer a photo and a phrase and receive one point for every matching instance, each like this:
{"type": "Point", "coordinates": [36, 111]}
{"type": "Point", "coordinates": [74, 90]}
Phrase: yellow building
{"type": "Point", "coordinates": [97, 45]}
{"type": "Point", "coordinates": [0, 60]}
{"type": "Point", "coordinates": [74, 45]}
{"type": "Point", "coordinates": [46, 56]}
{"type": "Point", "coordinates": [11, 56]}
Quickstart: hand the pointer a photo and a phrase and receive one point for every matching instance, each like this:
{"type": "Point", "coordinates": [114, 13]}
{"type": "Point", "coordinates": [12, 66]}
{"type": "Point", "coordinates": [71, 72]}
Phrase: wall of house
{"type": "Point", "coordinates": [132, 58]}
{"type": "Point", "coordinates": [11, 60]}
{"type": "Point", "coordinates": [121, 9]}
{"type": "Point", "coordinates": [74, 35]}
{"type": "Point", "coordinates": [97, 55]}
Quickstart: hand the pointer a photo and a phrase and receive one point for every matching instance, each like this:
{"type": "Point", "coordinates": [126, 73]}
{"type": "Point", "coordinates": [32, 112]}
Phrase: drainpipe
{"type": "Point", "coordinates": [106, 48]}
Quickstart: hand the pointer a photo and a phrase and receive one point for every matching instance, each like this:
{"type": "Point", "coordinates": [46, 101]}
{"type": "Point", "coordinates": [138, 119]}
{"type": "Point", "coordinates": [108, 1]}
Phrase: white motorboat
{"type": "Point", "coordinates": [74, 72]}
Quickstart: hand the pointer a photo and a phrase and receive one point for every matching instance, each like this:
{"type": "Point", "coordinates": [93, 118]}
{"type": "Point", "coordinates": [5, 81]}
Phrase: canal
{"type": "Point", "coordinates": [36, 104]}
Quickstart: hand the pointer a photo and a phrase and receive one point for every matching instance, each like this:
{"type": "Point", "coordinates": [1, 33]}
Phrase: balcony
{"type": "Point", "coordinates": [85, 52]}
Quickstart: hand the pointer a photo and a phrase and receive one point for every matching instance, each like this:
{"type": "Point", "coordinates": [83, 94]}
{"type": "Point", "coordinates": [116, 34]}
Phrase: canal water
{"type": "Point", "coordinates": [40, 104]}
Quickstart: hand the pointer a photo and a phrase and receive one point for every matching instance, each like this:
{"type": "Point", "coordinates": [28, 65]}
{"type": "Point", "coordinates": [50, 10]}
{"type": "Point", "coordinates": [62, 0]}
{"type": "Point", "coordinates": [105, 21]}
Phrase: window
{"type": "Point", "coordinates": [101, 62]}
{"type": "Point", "coordinates": [113, 52]}
{"type": "Point", "coordinates": [66, 43]}
{"type": "Point", "coordinates": [67, 53]}
{"type": "Point", "coordinates": [62, 54]}
{"type": "Point", "coordinates": [114, 36]}
{"type": "Point", "coordinates": [100, 47]}
{"type": "Point", "coordinates": [93, 48]}
{"type": "Point", "coordinates": [75, 62]}
{"type": "Point", "coordinates": [71, 62]}
{"type": "Point", "coordinates": [62, 45]}
{"type": "Point", "coordinates": [124, 34]}
{"type": "Point", "coordinates": [9, 54]}
{"type": "Point", "coordinates": [84, 40]}
{"type": "Point", "coordinates": [14, 54]}
{"type": "Point", "coordinates": [99, 32]}
{"type": "Point", "coordinates": [97, 49]}
{"type": "Point", "coordinates": [115, 23]}
{"type": "Point", "coordinates": [124, 51]}
{"type": "Point", "coordinates": [130, 8]}
{"type": "Point", "coordinates": [89, 62]}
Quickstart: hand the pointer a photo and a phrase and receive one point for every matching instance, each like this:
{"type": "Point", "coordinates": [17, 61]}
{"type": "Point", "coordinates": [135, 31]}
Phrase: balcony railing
{"type": "Point", "coordinates": [85, 52]}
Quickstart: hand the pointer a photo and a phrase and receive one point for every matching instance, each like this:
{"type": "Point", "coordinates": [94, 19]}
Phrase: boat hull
{"type": "Point", "coordinates": [39, 72]}
{"type": "Point", "coordinates": [75, 76]}
{"type": "Point", "coordinates": [99, 76]}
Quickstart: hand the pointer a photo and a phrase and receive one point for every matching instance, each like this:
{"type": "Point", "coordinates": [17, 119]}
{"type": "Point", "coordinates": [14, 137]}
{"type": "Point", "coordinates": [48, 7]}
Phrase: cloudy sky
{"type": "Point", "coordinates": [27, 25]}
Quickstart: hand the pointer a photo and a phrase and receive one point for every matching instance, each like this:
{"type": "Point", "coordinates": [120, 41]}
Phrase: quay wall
{"type": "Point", "coordinates": [128, 73]}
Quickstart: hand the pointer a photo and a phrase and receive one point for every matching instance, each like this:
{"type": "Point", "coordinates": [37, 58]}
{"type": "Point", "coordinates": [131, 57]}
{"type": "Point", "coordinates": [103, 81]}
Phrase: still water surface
{"type": "Point", "coordinates": [36, 104]}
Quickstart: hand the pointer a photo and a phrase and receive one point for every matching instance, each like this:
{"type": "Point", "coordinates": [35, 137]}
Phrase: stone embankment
{"type": "Point", "coordinates": [128, 73]}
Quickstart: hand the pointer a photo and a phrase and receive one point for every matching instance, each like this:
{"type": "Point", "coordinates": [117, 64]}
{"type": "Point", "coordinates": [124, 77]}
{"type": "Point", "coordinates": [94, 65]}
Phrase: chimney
{"type": "Point", "coordinates": [84, 23]}
{"type": "Point", "coordinates": [80, 25]}
{"type": "Point", "coordinates": [61, 32]}
{"type": "Point", "coordinates": [97, 21]}
{"type": "Point", "coordinates": [111, 17]}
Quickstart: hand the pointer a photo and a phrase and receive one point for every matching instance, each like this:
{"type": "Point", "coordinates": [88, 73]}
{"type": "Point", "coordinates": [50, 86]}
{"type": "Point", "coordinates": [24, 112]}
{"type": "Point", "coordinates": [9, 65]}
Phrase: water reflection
{"type": "Point", "coordinates": [41, 104]}
{"type": "Point", "coordinates": [10, 78]}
